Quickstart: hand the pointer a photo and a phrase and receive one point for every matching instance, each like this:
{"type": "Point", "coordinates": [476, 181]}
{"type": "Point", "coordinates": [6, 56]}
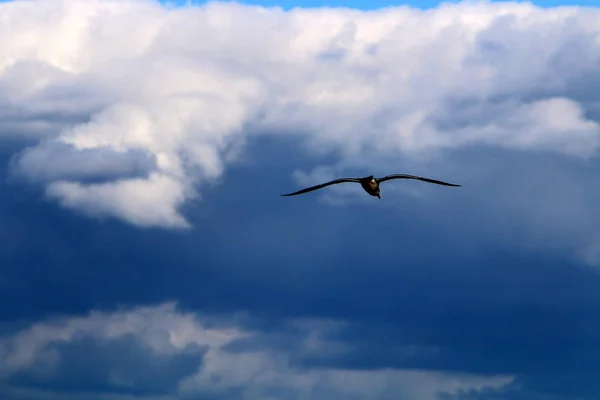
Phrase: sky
{"type": "Point", "coordinates": [375, 4]}
{"type": "Point", "coordinates": [146, 252]}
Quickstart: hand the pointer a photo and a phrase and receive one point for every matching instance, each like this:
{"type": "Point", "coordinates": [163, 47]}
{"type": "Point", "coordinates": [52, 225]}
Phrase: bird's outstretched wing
{"type": "Point", "coordinates": [333, 182]}
{"type": "Point", "coordinates": [404, 176]}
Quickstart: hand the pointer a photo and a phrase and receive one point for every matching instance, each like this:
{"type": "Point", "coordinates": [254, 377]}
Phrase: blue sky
{"type": "Point", "coordinates": [375, 4]}
{"type": "Point", "coordinates": [146, 252]}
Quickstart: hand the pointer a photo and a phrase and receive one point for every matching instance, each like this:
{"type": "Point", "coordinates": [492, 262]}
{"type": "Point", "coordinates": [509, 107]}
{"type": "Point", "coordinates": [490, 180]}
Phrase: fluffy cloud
{"type": "Point", "coordinates": [187, 86]}
{"type": "Point", "coordinates": [161, 351]}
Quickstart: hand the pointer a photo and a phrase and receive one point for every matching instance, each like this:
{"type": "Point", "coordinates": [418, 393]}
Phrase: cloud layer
{"type": "Point", "coordinates": [161, 352]}
{"type": "Point", "coordinates": [135, 106]}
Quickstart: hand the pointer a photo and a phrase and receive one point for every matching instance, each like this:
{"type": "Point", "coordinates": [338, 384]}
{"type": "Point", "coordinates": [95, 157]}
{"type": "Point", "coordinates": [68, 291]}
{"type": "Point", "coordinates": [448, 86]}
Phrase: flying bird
{"type": "Point", "coordinates": [370, 184]}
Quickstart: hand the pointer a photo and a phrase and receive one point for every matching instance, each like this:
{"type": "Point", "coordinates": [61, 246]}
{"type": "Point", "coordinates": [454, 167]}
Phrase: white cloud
{"type": "Point", "coordinates": [252, 373]}
{"type": "Point", "coordinates": [144, 202]}
{"type": "Point", "coordinates": [188, 85]}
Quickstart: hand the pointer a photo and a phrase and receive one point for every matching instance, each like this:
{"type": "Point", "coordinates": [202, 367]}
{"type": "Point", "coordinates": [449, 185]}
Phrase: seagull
{"type": "Point", "coordinates": [370, 184]}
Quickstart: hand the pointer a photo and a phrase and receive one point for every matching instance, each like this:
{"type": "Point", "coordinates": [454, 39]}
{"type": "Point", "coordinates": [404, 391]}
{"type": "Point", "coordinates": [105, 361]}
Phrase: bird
{"type": "Point", "coordinates": [370, 184]}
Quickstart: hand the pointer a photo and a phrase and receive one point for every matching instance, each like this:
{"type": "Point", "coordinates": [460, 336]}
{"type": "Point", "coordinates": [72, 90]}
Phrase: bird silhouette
{"type": "Point", "coordinates": [370, 184]}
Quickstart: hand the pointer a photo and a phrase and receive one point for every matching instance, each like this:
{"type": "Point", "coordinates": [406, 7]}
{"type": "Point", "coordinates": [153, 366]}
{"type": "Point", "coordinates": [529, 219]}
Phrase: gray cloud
{"type": "Point", "coordinates": [157, 351]}
{"type": "Point", "coordinates": [119, 365]}
{"type": "Point", "coordinates": [54, 160]}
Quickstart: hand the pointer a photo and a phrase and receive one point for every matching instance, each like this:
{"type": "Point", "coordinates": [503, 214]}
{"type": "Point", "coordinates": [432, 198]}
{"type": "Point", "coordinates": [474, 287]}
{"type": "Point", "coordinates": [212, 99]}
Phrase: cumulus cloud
{"type": "Point", "coordinates": [144, 202]}
{"type": "Point", "coordinates": [187, 86]}
{"type": "Point", "coordinates": [162, 351]}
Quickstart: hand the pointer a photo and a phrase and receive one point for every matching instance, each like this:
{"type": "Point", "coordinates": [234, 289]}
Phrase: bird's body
{"type": "Point", "coordinates": [369, 183]}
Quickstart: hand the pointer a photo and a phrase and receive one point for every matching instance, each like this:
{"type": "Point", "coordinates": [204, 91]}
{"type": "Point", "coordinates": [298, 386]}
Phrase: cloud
{"type": "Point", "coordinates": [144, 202]}
{"type": "Point", "coordinates": [56, 160]}
{"type": "Point", "coordinates": [188, 86]}
{"type": "Point", "coordinates": [162, 351]}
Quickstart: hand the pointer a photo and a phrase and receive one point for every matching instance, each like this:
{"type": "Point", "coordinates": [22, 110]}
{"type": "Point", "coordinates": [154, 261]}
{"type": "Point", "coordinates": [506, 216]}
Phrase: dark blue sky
{"type": "Point", "coordinates": [424, 274]}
